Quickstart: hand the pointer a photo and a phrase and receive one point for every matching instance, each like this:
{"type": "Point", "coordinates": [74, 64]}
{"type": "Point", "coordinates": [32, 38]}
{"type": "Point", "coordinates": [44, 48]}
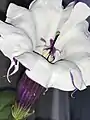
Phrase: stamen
{"type": "Point", "coordinates": [57, 34]}
{"type": "Point", "coordinates": [49, 52]}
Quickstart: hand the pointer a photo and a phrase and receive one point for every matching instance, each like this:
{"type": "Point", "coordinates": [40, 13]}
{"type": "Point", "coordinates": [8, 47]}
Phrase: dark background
{"type": "Point", "coordinates": [64, 107]}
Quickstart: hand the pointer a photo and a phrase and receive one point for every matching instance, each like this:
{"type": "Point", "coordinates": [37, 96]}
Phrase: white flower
{"type": "Point", "coordinates": [30, 36]}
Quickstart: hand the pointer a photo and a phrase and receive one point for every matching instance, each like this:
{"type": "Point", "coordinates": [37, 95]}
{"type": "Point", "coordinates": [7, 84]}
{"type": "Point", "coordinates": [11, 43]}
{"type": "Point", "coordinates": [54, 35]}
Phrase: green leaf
{"type": "Point", "coordinates": [5, 112]}
{"type": "Point", "coordinates": [6, 100]}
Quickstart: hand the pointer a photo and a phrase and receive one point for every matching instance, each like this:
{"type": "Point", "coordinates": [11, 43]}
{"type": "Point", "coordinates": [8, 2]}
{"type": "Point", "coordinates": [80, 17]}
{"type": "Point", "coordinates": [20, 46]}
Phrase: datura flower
{"type": "Point", "coordinates": [28, 92]}
{"type": "Point", "coordinates": [51, 41]}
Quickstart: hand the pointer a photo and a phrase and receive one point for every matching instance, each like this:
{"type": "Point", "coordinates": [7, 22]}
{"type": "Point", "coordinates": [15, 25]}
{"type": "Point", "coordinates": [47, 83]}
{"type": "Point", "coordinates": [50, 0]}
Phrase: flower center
{"type": "Point", "coordinates": [49, 51]}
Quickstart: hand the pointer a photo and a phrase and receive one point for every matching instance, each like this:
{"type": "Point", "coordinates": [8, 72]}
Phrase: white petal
{"type": "Point", "coordinates": [21, 17]}
{"type": "Point", "coordinates": [54, 3]}
{"type": "Point", "coordinates": [84, 65]}
{"type": "Point", "coordinates": [65, 14]}
{"type": "Point", "coordinates": [48, 75]}
{"type": "Point", "coordinates": [6, 29]}
{"type": "Point", "coordinates": [76, 47]}
{"type": "Point", "coordinates": [76, 40]}
{"type": "Point", "coordinates": [40, 72]}
{"type": "Point", "coordinates": [48, 19]}
{"type": "Point", "coordinates": [80, 12]}
{"type": "Point", "coordinates": [61, 78]}
{"type": "Point", "coordinates": [14, 41]}
{"type": "Point", "coordinates": [56, 75]}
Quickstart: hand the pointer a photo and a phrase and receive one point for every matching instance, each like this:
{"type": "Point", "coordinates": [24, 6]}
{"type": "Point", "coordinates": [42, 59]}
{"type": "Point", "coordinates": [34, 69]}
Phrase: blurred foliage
{"type": "Point", "coordinates": [6, 100]}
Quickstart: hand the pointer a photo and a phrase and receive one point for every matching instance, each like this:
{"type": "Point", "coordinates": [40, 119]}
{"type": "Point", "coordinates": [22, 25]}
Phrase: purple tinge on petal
{"type": "Point", "coordinates": [72, 79]}
{"type": "Point", "coordinates": [28, 91]}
